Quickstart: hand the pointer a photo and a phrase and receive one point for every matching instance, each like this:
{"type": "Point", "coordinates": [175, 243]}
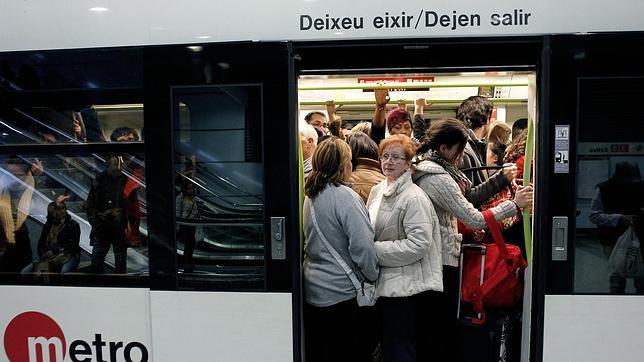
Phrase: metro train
{"type": "Point", "coordinates": [215, 93]}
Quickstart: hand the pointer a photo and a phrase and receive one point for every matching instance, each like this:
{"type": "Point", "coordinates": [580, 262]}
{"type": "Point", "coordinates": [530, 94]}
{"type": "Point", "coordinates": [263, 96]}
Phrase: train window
{"type": "Point", "coordinates": [71, 124]}
{"type": "Point", "coordinates": [71, 69]}
{"type": "Point", "coordinates": [610, 191]}
{"type": "Point", "coordinates": [219, 187]}
{"type": "Point", "coordinates": [74, 214]}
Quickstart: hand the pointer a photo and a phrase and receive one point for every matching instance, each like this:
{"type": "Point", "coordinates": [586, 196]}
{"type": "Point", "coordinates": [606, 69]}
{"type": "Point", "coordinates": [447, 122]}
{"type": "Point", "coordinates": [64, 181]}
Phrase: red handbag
{"type": "Point", "coordinates": [491, 274]}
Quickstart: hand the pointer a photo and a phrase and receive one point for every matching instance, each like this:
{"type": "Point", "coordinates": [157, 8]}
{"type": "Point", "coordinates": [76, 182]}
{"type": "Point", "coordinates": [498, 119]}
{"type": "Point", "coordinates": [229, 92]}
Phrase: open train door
{"type": "Point", "coordinates": [223, 123]}
{"type": "Point", "coordinates": [592, 88]}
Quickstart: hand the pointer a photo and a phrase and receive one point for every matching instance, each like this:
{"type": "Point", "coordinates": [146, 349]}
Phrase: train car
{"type": "Point", "coordinates": [192, 109]}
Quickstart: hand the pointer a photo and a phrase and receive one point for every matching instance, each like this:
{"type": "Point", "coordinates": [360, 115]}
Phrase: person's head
{"type": "Point", "coordinates": [318, 121]}
{"type": "Point", "coordinates": [516, 148]}
{"type": "Point", "coordinates": [308, 140]}
{"type": "Point", "coordinates": [475, 112]}
{"type": "Point", "coordinates": [499, 132]}
{"type": "Point", "coordinates": [399, 122]}
{"type": "Point", "coordinates": [364, 127]}
{"type": "Point", "coordinates": [20, 170]}
{"type": "Point", "coordinates": [396, 153]}
{"type": "Point", "coordinates": [518, 126]}
{"type": "Point", "coordinates": [495, 152]}
{"type": "Point", "coordinates": [362, 146]}
{"type": "Point", "coordinates": [335, 127]}
{"type": "Point", "coordinates": [448, 138]}
{"type": "Point", "coordinates": [331, 164]}
{"type": "Point", "coordinates": [57, 213]}
{"type": "Point", "coordinates": [627, 172]}
{"type": "Point", "coordinates": [124, 134]}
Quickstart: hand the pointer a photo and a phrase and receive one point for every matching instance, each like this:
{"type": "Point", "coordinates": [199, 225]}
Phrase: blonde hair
{"type": "Point", "coordinates": [364, 127]}
{"type": "Point", "coordinates": [329, 164]}
{"type": "Point", "coordinates": [499, 132]}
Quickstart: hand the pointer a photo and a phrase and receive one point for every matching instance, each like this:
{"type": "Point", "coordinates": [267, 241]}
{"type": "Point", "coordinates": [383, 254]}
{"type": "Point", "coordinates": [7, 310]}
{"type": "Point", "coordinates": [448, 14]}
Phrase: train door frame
{"type": "Point", "coordinates": [229, 65]}
{"type": "Point", "coordinates": [434, 56]}
{"type": "Point", "coordinates": [569, 60]}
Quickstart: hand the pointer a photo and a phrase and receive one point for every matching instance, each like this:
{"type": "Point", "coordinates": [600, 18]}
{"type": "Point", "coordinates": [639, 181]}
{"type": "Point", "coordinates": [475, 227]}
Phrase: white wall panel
{"type": "Point", "coordinates": [593, 328]}
{"type": "Point", "coordinates": [202, 326]}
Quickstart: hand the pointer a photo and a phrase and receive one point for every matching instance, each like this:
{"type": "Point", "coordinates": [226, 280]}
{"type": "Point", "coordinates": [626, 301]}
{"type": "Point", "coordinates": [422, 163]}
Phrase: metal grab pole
{"type": "Point", "coordinates": [412, 86]}
{"type": "Point", "coordinates": [405, 101]}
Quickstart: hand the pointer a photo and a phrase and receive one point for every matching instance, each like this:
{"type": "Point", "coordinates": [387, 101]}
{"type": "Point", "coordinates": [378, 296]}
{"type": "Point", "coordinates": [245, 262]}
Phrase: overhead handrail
{"type": "Point", "coordinates": [405, 101]}
{"type": "Point", "coordinates": [415, 85]}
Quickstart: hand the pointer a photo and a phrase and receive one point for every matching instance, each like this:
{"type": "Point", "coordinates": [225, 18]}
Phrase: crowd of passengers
{"type": "Point", "coordinates": [391, 208]}
{"type": "Point", "coordinates": [112, 208]}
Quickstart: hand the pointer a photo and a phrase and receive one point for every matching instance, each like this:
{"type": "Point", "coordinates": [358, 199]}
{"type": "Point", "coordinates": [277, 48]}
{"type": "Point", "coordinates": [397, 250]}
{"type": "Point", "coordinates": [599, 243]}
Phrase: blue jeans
{"type": "Point", "coordinates": [69, 266]}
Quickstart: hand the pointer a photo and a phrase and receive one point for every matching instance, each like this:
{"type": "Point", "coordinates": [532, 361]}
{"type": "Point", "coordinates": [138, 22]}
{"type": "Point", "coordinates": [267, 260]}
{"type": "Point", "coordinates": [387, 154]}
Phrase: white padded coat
{"type": "Point", "coordinates": [408, 242]}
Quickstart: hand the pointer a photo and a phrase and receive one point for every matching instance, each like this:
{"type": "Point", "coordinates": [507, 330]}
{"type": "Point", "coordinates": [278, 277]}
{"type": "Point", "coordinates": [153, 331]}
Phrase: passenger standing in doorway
{"type": "Point", "coordinates": [408, 245]}
{"type": "Point", "coordinates": [397, 121]}
{"type": "Point", "coordinates": [366, 165]}
{"type": "Point", "coordinates": [438, 175]}
{"type": "Point", "coordinates": [334, 324]}
{"type": "Point", "coordinates": [618, 204]}
{"type": "Point", "coordinates": [309, 142]}
{"type": "Point", "coordinates": [318, 121]}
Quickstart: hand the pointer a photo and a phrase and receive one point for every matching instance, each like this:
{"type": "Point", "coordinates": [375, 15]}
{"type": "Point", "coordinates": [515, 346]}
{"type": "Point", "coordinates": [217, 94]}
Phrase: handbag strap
{"type": "Point", "coordinates": [493, 225]}
{"type": "Point", "coordinates": [334, 253]}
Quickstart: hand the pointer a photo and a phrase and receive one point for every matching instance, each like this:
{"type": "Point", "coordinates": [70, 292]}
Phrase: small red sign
{"type": "Point", "coordinates": [369, 80]}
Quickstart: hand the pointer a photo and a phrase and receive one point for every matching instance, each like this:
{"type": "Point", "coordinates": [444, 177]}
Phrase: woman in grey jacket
{"type": "Point", "coordinates": [408, 248]}
{"type": "Point", "coordinates": [332, 318]}
{"type": "Point", "coordinates": [446, 186]}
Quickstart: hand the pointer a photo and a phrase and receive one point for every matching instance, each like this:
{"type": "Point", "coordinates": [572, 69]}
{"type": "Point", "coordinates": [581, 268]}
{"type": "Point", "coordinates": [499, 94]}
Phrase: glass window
{"type": "Point", "coordinates": [610, 192]}
{"type": "Point", "coordinates": [72, 124]}
{"type": "Point", "coordinates": [72, 214]}
{"type": "Point", "coordinates": [219, 186]}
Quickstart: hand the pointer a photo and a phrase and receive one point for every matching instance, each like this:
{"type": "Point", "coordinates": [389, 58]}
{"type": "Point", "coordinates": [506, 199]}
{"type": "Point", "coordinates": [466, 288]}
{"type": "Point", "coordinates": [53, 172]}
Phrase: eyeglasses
{"type": "Point", "coordinates": [393, 158]}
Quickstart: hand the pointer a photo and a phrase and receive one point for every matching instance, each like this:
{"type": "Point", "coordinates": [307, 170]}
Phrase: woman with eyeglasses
{"type": "Point", "coordinates": [333, 322]}
{"type": "Point", "coordinates": [408, 249]}
{"type": "Point", "coordinates": [438, 175]}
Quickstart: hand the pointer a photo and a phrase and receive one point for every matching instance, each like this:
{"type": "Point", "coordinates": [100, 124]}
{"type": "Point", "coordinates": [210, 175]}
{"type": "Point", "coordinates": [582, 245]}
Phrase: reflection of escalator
{"type": "Point", "coordinates": [231, 229]}
{"type": "Point", "coordinates": [72, 176]}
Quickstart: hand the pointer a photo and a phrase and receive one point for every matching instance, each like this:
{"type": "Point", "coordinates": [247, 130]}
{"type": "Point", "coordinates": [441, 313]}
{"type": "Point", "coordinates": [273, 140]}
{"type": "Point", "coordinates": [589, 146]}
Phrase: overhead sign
{"type": "Point", "coordinates": [37, 24]}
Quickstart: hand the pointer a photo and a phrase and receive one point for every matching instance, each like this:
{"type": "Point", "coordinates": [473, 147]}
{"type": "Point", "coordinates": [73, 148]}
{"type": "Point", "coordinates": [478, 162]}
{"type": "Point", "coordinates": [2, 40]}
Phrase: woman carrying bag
{"type": "Point", "coordinates": [408, 247]}
{"type": "Point", "coordinates": [437, 174]}
{"type": "Point", "coordinates": [336, 224]}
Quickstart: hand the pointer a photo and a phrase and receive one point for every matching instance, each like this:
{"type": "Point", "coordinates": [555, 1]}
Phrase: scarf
{"type": "Point", "coordinates": [463, 182]}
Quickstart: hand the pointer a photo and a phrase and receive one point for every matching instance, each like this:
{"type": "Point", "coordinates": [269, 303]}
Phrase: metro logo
{"type": "Point", "coordinates": [36, 337]}
{"type": "Point", "coordinates": [31, 335]}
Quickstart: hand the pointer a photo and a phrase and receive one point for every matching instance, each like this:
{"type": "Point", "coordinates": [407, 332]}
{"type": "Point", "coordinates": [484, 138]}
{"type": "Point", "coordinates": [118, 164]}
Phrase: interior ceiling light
{"type": "Point", "coordinates": [99, 9]}
{"type": "Point", "coordinates": [203, 37]}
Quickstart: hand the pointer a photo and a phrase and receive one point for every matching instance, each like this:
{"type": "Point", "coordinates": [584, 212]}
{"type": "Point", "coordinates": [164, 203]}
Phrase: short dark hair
{"type": "Point", "coordinates": [122, 131]}
{"type": "Point", "coordinates": [475, 111]}
{"type": "Point", "coordinates": [308, 117]}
